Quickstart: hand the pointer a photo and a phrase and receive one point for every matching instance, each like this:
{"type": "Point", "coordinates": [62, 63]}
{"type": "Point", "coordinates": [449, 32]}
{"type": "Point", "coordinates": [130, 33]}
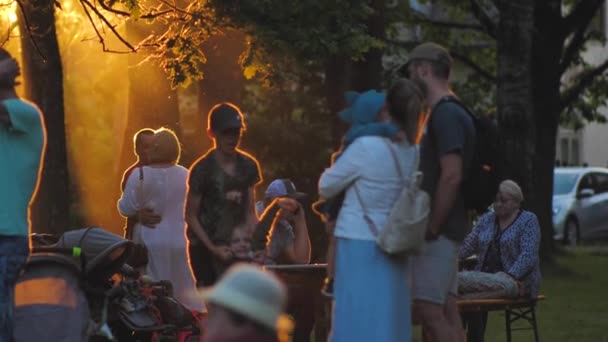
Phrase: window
{"type": "Point", "coordinates": [564, 151]}
{"type": "Point", "coordinates": [601, 182]}
{"type": "Point", "coordinates": [574, 154]}
{"type": "Point", "coordinates": [586, 183]}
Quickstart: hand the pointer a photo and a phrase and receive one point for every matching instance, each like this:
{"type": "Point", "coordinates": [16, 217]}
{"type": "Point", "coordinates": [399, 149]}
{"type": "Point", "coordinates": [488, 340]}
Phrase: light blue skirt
{"type": "Point", "coordinates": [371, 294]}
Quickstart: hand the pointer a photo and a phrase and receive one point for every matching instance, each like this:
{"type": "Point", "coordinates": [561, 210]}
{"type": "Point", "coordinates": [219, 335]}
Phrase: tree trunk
{"type": "Point", "coordinates": [223, 81]}
{"type": "Point", "coordinates": [152, 103]}
{"type": "Point", "coordinates": [367, 74]}
{"type": "Point", "coordinates": [546, 52]}
{"type": "Point", "coordinates": [527, 99]}
{"type": "Point", "coordinates": [336, 83]}
{"type": "Point", "coordinates": [42, 71]}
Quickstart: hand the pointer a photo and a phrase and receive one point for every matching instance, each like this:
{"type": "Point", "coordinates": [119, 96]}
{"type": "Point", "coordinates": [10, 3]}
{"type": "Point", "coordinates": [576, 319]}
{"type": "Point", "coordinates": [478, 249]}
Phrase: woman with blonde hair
{"type": "Point", "coordinates": [161, 186]}
{"type": "Point", "coordinates": [506, 242]}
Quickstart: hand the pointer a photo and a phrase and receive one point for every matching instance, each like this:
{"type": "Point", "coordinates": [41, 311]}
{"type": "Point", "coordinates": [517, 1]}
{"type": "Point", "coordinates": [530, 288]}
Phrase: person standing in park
{"type": "Point", "coordinates": [22, 145]}
{"type": "Point", "coordinates": [220, 183]}
{"type": "Point", "coordinates": [446, 153]}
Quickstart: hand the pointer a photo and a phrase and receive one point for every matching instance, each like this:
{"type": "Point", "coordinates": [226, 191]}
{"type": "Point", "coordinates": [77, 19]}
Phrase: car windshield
{"type": "Point", "coordinates": [563, 183]}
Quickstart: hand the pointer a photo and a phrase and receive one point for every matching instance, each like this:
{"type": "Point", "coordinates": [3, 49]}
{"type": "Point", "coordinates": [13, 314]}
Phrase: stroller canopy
{"type": "Point", "coordinates": [104, 253]}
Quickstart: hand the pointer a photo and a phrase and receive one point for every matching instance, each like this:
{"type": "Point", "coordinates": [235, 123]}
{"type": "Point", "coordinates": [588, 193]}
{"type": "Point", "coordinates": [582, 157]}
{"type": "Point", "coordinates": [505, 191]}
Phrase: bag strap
{"type": "Point", "coordinates": [141, 190]}
{"type": "Point", "coordinates": [370, 223]}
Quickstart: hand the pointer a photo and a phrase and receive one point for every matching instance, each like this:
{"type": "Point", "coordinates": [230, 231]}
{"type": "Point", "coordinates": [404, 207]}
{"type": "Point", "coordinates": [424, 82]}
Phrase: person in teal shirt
{"type": "Point", "coordinates": [22, 142]}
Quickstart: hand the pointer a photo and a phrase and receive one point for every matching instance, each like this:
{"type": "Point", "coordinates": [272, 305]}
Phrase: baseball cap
{"type": "Point", "coordinates": [225, 116]}
{"type": "Point", "coordinates": [428, 51]}
{"type": "Point", "coordinates": [251, 292]}
{"type": "Point", "coordinates": [283, 188]}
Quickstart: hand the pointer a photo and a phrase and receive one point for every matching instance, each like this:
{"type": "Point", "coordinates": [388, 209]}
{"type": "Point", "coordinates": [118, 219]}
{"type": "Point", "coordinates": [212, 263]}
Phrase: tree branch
{"type": "Point", "coordinates": [471, 64]}
{"type": "Point", "coordinates": [581, 15]}
{"type": "Point", "coordinates": [110, 26]}
{"type": "Point", "coordinates": [446, 23]}
{"type": "Point", "coordinates": [573, 48]}
{"type": "Point", "coordinates": [484, 19]}
{"type": "Point", "coordinates": [26, 22]}
{"type": "Point", "coordinates": [584, 80]}
{"type": "Point", "coordinates": [112, 10]}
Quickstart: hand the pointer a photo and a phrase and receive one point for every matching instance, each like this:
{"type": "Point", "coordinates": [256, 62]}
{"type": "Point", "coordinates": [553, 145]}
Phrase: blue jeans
{"type": "Point", "coordinates": [13, 255]}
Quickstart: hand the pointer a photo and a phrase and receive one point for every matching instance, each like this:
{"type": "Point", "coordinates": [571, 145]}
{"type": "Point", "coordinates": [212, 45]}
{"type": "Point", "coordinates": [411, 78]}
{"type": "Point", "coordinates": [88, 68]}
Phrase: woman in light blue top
{"type": "Point", "coordinates": [371, 291]}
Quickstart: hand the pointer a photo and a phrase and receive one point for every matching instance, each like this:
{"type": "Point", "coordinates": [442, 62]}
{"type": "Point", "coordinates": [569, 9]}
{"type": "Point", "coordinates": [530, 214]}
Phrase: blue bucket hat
{"type": "Point", "coordinates": [362, 108]}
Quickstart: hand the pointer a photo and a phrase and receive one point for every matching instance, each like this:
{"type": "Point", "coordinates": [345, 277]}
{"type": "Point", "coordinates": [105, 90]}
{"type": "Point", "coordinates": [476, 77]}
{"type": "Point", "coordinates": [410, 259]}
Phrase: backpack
{"type": "Point", "coordinates": [483, 175]}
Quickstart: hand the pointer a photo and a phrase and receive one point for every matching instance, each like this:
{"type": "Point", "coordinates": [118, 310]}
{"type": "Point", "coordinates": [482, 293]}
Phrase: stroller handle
{"type": "Point", "coordinates": [73, 251]}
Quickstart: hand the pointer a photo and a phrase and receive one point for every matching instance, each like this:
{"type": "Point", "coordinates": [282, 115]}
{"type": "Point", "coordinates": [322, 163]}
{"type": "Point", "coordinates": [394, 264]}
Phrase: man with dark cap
{"type": "Point", "coordinates": [446, 155]}
{"type": "Point", "coordinates": [220, 183]}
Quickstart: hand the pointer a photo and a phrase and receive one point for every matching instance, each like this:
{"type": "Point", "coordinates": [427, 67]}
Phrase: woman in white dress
{"type": "Point", "coordinates": [161, 186]}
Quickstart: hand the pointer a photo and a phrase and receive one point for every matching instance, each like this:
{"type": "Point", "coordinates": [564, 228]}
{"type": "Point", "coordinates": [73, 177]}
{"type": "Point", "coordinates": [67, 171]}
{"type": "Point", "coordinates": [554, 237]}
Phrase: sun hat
{"type": "Point", "coordinates": [362, 108]}
{"type": "Point", "coordinates": [251, 292]}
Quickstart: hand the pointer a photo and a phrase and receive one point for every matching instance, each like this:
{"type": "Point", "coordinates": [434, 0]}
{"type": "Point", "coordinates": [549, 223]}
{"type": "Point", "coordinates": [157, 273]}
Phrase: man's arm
{"type": "Point", "coordinates": [252, 218]}
{"type": "Point", "coordinates": [446, 193]}
{"type": "Point", "coordinates": [299, 251]}
{"type": "Point", "coordinates": [4, 117]}
{"type": "Point", "coordinates": [193, 203]}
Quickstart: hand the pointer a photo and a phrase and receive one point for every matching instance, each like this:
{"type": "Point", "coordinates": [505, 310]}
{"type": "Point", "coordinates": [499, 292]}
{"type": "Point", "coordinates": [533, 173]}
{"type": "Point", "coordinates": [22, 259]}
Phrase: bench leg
{"type": "Point", "coordinates": [508, 324]}
{"type": "Point", "coordinates": [534, 325]}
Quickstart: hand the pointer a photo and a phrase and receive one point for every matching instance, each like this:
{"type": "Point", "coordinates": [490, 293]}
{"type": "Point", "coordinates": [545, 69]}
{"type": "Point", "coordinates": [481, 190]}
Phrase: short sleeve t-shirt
{"type": "Point", "coordinates": [208, 179]}
{"type": "Point", "coordinates": [450, 129]}
{"type": "Point", "coordinates": [21, 151]}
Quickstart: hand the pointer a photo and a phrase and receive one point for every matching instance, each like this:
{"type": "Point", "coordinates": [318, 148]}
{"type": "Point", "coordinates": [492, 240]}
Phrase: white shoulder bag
{"type": "Point", "coordinates": [406, 224]}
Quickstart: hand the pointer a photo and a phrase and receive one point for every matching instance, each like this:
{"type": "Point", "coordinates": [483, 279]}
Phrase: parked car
{"type": "Point", "coordinates": [580, 204]}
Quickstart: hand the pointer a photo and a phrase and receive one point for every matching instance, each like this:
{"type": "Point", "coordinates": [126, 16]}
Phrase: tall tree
{"type": "Point", "coordinates": [42, 70]}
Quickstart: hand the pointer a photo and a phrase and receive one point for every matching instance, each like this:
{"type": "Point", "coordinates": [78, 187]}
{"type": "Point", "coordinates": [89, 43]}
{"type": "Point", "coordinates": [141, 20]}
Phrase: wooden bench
{"type": "Point", "coordinates": [515, 310]}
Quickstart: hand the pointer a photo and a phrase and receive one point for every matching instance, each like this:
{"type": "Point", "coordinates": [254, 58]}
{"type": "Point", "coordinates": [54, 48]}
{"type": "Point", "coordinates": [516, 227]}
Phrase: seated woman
{"type": "Point", "coordinates": [506, 242]}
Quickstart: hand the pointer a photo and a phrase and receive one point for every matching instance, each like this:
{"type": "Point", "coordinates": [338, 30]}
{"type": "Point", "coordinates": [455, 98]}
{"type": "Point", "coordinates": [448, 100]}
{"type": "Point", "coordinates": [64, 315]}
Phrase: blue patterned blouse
{"type": "Point", "coordinates": [518, 247]}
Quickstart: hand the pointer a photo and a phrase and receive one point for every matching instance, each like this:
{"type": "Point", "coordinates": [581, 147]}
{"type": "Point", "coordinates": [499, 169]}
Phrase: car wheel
{"type": "Point", "coordinates": [572, 232]}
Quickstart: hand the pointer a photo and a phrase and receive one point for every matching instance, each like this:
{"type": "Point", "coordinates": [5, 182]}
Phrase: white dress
{"type": "Point", "coordinates": [163, 189]}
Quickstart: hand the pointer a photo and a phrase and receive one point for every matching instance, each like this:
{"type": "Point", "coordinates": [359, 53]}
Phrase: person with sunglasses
{"type": "Point", "coordinates": [220, 183]}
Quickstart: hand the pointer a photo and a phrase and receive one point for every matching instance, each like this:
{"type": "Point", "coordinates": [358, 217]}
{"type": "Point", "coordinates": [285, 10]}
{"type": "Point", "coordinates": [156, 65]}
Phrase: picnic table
{"type": "Point", "coordinates": [515, 309]}
{"type": "Point", "coordinates": [306, 304]}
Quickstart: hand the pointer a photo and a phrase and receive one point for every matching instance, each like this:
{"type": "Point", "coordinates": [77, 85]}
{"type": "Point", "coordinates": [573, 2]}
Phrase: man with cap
{"type": "Point", "coordinates": [446, 154]}
{"type": "Point", "coordinates": [220, 183]}
{"type": "Point", "coordinates": [288, 242]}
{"type": "Point", "coordinates": [246, 305]}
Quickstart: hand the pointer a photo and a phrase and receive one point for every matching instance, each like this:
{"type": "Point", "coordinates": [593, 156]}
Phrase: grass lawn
{"type": "Point", "coordinates": [576, 304]}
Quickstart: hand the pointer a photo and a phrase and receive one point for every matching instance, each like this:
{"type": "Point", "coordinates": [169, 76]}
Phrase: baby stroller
{"type": "Point", "coordinates": [113, 302]}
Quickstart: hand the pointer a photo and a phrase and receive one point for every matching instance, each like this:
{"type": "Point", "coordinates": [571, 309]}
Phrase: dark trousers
{"type": "Point", "coordinates": [203, 264]}
{"type": "Point", "coordinates": [13, 255]}
{"type": "Point", "coordinates": [475, 325]}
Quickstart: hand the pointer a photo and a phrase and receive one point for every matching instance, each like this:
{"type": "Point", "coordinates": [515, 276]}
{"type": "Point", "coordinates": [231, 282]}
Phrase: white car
{"type": "Point", "coordinates": [580, 204]}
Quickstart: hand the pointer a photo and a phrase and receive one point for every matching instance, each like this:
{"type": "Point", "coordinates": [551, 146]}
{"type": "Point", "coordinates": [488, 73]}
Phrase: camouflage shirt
{"type": "Point", "coordinates": [208, 179]}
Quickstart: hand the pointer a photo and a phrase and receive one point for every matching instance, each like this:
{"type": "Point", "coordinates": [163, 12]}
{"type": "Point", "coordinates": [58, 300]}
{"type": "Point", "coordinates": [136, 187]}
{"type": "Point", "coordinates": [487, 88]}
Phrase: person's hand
{"type": "Point", "coordinates": [330, 226]}
{"type": "Point", "coordinates": [222, 252]}
{"type": "Point", "coordinates": [399, 136]}
{"type": "Point", "coordinates": [259, 257]}
{"type": "Point", "coordinates": [234, 196]}
{"type": "Point", "coordinates": [431, 235]}
{"type": "Point", "coordinates": [289, 204]}
{"type": "Point", "coordinates": [148, 218]}
{"type": "Point", "coordinates": [9, 70]}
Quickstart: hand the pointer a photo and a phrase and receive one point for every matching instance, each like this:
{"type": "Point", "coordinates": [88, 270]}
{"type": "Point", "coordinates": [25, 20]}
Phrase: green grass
{"type": "Point", "coordinates": [576, 304]}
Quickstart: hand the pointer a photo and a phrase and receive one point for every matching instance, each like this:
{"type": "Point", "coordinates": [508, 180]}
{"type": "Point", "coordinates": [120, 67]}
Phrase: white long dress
{"type": "Point", "coordinates": [163, 189]}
